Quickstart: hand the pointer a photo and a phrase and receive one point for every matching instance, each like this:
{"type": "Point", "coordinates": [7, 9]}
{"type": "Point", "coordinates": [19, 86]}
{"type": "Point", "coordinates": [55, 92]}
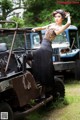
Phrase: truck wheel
{"type": "Point", "coordinates": [6, 111]}
{"type": "Point", "coordinates": [59, 90]}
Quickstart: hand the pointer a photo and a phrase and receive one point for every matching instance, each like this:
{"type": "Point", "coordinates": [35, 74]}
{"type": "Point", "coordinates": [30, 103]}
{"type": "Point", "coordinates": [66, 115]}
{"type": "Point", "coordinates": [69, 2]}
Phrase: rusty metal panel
{"type": "Point", "coordinates": [25, 88]}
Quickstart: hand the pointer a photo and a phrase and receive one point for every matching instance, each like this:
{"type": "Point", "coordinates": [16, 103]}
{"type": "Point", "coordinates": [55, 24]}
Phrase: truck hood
{"type": "Point", "coordinates": [60, 45]}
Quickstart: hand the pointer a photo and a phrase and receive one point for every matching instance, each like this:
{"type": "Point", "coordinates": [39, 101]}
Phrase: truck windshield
{"type": "Point", "coordinates": [7, 38]}
{"type": "Point", "coordinates": [60, 38]}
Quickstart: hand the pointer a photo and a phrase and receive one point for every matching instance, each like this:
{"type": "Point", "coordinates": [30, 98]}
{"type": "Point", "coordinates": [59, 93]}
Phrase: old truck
{"type": "Point", "coordinates": [20, 93]}
{"type": "Point", "coordinates": [66, 49]}
{"type": "Point", "coordinates": [65, 46]}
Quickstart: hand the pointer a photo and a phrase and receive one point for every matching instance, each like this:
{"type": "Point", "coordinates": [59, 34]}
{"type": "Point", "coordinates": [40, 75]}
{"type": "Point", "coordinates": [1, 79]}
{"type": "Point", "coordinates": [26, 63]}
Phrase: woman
{"type": "Point", "coordinates": [43, 69]}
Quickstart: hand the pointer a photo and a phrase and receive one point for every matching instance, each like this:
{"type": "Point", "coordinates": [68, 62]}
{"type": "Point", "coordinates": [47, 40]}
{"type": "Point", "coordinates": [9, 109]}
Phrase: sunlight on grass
{"type": "Point", "coordinates": [72, 92]}
{"type": "Point", "coordinates": [71, 110]}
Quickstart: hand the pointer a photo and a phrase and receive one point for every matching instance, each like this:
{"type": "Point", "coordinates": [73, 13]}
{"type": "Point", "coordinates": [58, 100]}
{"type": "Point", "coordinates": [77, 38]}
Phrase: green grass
{"type": "Point", "coordinates": [68, 109]}
{"type": "Point", "coordinates": [73, 92]}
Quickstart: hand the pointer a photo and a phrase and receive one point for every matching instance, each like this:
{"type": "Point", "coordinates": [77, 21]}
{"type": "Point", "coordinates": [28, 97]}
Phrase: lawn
{"type": "Point", "coordinates": [69, 109]}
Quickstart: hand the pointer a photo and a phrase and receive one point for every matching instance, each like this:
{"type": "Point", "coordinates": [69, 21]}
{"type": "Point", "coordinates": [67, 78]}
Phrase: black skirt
{"type": "Point", "coordinates": [42, 65]}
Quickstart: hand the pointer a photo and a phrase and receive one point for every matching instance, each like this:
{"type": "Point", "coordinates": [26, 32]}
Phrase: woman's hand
{"type": "Point", "coordinates": [68, 18]}
{"type": "Point", "coordinates": [67, 15]}
{"type": "Point", "coordinates": [33, 30]}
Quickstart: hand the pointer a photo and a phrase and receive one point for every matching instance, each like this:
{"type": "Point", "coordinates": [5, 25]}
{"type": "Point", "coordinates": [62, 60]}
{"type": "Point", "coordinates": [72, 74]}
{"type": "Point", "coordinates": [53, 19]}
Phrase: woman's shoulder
{"type": "Point", "coordinates": [51, 25]}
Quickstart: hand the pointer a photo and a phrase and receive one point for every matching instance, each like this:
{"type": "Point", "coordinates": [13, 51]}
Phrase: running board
{"type": "Point", "coordinates": [43, 102]}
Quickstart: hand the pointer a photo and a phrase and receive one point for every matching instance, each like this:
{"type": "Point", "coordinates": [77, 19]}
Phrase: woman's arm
{"type": "Point", "coordinates": [65, 26]}
{"type": "Point", "coordinates": [39, 28]}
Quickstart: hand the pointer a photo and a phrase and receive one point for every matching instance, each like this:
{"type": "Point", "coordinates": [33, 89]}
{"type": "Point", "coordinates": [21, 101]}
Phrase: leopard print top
{"type": "Point", "coordinates": [50, 34]}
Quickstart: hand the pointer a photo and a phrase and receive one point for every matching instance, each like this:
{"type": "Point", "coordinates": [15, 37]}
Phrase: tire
{"type": "Point", "coordinates": [4, 107]}
{"type": "Point", "coordinates": [59, 90]}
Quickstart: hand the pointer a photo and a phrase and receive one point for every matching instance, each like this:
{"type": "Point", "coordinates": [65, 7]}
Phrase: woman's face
{"type": "Point", "coordinates": [58, 18]}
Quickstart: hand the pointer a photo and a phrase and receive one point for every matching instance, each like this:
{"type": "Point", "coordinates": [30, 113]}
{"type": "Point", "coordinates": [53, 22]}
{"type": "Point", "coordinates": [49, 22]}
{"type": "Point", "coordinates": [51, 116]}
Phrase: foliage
{"type": "Point", "coordinates": [5, 6]}
{"type": "Point", "coordinates": [28, 19]}
{"type": "Point", "coordinates": [39, 12]}
{"type": "Point", "coordinates": [33, 8]}
{"type": "Point", "coordinates": [19, 21]}
{"type": "Point", "coordinates": [33, 116]}
{"type": "Point", "coordinates": [74, 10]}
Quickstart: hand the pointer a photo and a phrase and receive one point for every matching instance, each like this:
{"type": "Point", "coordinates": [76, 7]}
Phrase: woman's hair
{"type": "Point", "coordinates": [60, 11]}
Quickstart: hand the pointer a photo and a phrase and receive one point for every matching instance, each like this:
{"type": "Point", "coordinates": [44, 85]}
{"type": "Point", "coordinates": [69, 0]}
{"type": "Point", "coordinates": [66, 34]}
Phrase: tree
{"type": "Point", "coordinates": [36, 11]}
{"type": "Point", "coordinates": [7, 6]}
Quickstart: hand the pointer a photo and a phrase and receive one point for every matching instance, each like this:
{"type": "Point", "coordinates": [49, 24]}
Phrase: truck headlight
{"type": "Point", "coordinates": [65, 50]}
